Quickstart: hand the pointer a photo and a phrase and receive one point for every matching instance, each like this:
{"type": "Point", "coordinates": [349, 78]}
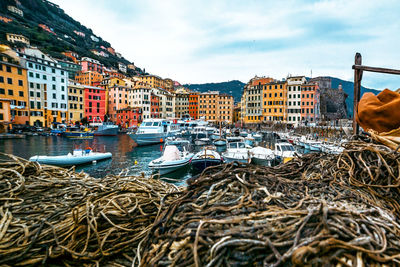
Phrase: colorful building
{"type": "Point", "coordinates": [275, 101]}
{"type": "Point", "coordinates": [70, 67]}
{"type": "Point", "coordinates": [89, 64]}
{"type": "Point", "coordinates": [155, 106]}
{"type": "Point", "coordinates": [129, 117]}
{"type": "Point", "coordinates": [14, 38]}
{"type": "Point", "coordinates": [167, 103]}
{"type": "Point", "coordinates": [13, 88]}
{"type": "Point", "coordinates": [181, 104]}
{"type": "Point", "coordinates": [194, 105]}
{"type": "Point", "coordinates": [208, 106]}
{"type": "Point", "coordinates": [94, 103]}
{"type": "Point", "coordinates": [47, 87]}
{"type": "Point", "coordinates": [118, 99]}
{"type": "Point", "coordinates": [76, 93]}
{"type": "Point", "coordinates": [152, 81]}
{"type": "Point", "coordinates": [225, 108]}
{"type": "Point", "coordinates": [89, 78]}
{"type": "Point", "coordinates": [254, 99]}
{"type": "Point", "coordinates": [294, 84]}
{"type": "Point", "coordinates": [309, 102]}
{"type": "Point", "coordinates": [5, 114]}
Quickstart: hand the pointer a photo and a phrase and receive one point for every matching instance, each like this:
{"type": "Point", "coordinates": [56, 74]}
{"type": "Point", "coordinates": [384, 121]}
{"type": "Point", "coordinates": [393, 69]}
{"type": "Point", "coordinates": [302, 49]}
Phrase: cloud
{"type": "Point", "coordinates": [211, 41]}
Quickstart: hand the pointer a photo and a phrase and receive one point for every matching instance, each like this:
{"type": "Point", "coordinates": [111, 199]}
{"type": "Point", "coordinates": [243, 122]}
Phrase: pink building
{"type": "Point", "coordinates": [94, 103]}
{"type": "Point", "coordinates": [118, 99]}
{"type": "Point", "coordinates": [89, 64]}
{"type": "Point", "coordinates": [309, 102]}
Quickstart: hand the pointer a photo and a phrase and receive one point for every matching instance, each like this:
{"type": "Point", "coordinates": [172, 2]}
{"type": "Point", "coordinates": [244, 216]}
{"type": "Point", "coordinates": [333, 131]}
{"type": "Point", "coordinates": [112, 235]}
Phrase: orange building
{"type": "Point", "coordinates": [275, 101]}
{"type": "Point", "coordinates": [5, 113]}
{"type": "Point", "coordinates": [216, 107]}
{"type": "Point", "coordinates": [90, 78]}
{"type": "Point", "coordinates": [14, 87]}
{"type": "Point", "coordinates": [118, 99]}
{"type": "Point", "coordinates": [309, 102]}
{"type": "Point", "coordinates": [194, 106]}
{"type": "Point", "coordinates": [253, 93]}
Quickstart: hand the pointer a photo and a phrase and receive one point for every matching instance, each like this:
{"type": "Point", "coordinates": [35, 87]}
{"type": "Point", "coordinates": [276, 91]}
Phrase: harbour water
{"type": "Point", "coordinates": [127, 158]}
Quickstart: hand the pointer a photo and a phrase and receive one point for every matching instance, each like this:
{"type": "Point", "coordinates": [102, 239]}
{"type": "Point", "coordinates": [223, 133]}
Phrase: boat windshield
{"type": "Point", "coordinates": [233, 145]}
{"type": "Point", "coordinates": [242, 145]}
{"type": "Point", "coordinates": [156, 124]}
{"type": "Point", "coordinates": [287, 148]}
{"type": "Point", "coordinates": [147, 123]}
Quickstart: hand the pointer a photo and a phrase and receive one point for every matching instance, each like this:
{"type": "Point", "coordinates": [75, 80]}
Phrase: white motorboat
{"type": "Point", "coordinates": [175, 156]}
{"type": "Point", "coordinates": [262, 156]}
{"type": "Point", "coordinates": [331, 148]}
{"type": "Point", "coordinates": [237, 151]}
{"type": "Point", "coordinates": [78, 157]}
{"type": "Point", "coordinates": [284, 151]}
{"type": "Point", "coordinates": [207, 157]}
{"type": "Point", "coordinates": [154, 131]}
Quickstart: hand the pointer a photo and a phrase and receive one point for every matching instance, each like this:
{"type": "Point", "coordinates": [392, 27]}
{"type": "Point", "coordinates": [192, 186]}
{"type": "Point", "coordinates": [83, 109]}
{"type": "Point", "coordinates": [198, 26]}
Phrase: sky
{"type": "Point", "coordinates": [221, 40]}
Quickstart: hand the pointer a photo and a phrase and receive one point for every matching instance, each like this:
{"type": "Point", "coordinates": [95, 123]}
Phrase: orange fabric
{"type": "Point", "coordinates": [381, 112]}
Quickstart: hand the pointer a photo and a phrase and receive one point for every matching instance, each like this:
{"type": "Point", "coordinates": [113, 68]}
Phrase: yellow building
{"type": "Point", "coordinates": [75, 102]}
{"type": "Point", "coordinates": [153, 81]}
{"type": "Point", "coordinates": [253, 100]}
{"type": "Point", "coordinates": [225, 108]}
{"type": "Point", "coordinates": [14, 38]}
{"type": "Point", "coordinates": [13, 87]}
{"type": "Point", "coordinates": [216, 107]}
{"type": "Point", "coordinates": [275, 101]}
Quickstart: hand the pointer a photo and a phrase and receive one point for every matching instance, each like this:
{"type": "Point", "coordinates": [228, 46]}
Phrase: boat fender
{"type": "Point", "coordinates": [136, 162]}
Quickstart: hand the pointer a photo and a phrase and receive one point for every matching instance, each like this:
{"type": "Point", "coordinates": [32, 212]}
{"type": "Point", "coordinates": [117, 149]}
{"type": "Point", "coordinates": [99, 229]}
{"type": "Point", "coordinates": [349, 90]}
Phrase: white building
{"type": "Point", "coordinates": [141, 97]}
{"type": "Point", "coordinates": [294, 99]}
{"type": "Point", "coordinates": [167, 103]}
{"type": "Point", "coordinates": [122, 67]}
{"type": "Point", "coordinates": [15, 10]}
{"type": "Point", "coordinates": [94, 38]}
{"type": "Point", "coordinates": [48, 84]}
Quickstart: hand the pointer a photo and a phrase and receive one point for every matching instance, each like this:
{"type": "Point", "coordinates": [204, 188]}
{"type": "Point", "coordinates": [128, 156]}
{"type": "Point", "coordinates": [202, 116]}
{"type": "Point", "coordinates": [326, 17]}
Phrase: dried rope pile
{"type": "Point", "coordinates": [340, 210]}
{"type": "Point", "coordinates": [53, 215]}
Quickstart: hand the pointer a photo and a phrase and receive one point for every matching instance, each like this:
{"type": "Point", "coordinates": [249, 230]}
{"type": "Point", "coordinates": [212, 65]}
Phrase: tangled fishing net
{"type": "Point", "coordinates": [339, 210]}
{"type": "Point", "coordinates": [317, 210]}
{"type": "Point", "coordinates": [53, 215]}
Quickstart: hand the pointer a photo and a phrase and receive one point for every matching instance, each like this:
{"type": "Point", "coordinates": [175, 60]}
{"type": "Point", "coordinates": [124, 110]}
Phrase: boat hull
{"type": "Point", "coordinates": [201, 164]}
{"type": "Point", "coordinates": [70, 160]}
{"type": "Point", "coordinates": [107, 132]}
{"type": "Point", "coordinates": [262, 162]}
{"type": "Point", "coordinates": [220, 142]}
{"type": "Point", "coordinates": [165, 168]}
{"type": "Point", "coordinates": [148, 139]}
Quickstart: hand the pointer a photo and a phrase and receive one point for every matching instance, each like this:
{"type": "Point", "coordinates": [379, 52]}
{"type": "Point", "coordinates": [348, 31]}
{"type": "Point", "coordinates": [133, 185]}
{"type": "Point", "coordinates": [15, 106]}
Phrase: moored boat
{"type": "Point", "coordinates": [207, 157]}
{"type": "Point", "coordinates": [262, 156]}
{"type": "Point", "coordinates": [106, 129]}
{"type": "Point", "coordinates": [153, 131]}
{"type": "Point", "coordinates": [176, 155]}
{"type": "Point", "coordinates": [78, 157]}
{"type": "Point", "coordinates": [236, 151]}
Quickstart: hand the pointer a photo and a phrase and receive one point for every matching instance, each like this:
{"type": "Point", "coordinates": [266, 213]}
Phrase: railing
{"type": "Point", "coordinates": [358, 72]}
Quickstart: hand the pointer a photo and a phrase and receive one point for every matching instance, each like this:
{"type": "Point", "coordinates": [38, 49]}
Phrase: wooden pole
{"type": "Point", "coordinates": [357, 87]}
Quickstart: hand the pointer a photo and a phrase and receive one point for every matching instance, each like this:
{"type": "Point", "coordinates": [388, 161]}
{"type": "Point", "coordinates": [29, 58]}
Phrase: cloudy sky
{"type": "Point", "coordinates": [220, 40]}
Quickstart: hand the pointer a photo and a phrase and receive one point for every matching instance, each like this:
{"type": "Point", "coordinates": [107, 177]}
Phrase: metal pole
{"type": "Point", "coordinates": [357, 86]}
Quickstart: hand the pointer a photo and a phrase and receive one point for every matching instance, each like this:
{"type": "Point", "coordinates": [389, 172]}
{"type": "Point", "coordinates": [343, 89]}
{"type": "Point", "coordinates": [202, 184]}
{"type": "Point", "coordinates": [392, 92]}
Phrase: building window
{"type": "Point", "coordinates": [31, 74]}
{"type": "Point", "coordinates": [19, 71]}
{"type": "Point", "coordinates": [8, 68]}
{"type": "Point", "coordinates": [21, 93]}
{"type": "Point", "coordinates": [2, 91]}
{"type": "Point", "coordinates": [10, 92]}
{"type": "Point", "coordinates": [20, 83]}
{"type": "Point", "coordinates": [9, 80]}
